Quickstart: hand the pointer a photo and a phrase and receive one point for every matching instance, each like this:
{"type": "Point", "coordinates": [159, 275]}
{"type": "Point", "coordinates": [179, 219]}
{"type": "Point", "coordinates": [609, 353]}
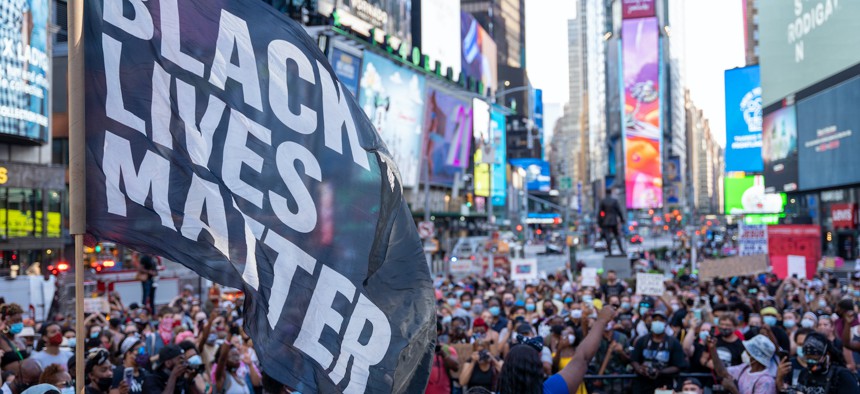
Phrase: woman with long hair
{"type": "Point", "coordinates": [11, 323]}
{"type": "Point", "coordinates": [227, 380]}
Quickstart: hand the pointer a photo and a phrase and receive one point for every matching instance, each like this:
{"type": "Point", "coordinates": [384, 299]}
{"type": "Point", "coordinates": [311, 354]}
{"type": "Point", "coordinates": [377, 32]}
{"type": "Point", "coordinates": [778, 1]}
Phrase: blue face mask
{"type": "Point", "coordinates": [71, 342]}
{"type": "Point", "coordinates": [643, 310]}
{"type": "Point", "coordinates": [495, 311]}
{"type": "Point", "coordinates": [452, 301]}
{"type": "Point", "coordinates": [625, 305]}
{"type": "Point", "coordinates": [769, 320]}
{"type": "Point", "coordinates": [467, 304]}
{"type": "Point", "coordinates": [800, 351]}
{"type": "Point", "coordinates": [857, 293]}
{"type": "Point", "coordinates": [16, 328]}
{"type": "Point", "coordinates": [458, 293]}
{"type": "Point", "coordinates": [95, 335]}
{"type": "Point", "coordinates": [587, 299]}
{"type": "Point", "coordinates": [530, 307]}
{"type": "Point", "coordinates": [520, 303]}
{"type": "Point", "coordinates": [556, 296]}
{"type": "Point", "coordinates": [703, 335]}
{"type": "Point", "coordinates": [788, 323]}
{"type": "Point", "coordinates": [658, 327]}
{"type": "Point", "coordinates": [568, 300]}
{"type": "Point", "coordinates": [716, 321]}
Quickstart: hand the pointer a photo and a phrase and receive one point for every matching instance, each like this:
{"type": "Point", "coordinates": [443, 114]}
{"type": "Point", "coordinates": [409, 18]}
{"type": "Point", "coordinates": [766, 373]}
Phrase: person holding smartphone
{"type": "Point", "coordinates": [131, 371]}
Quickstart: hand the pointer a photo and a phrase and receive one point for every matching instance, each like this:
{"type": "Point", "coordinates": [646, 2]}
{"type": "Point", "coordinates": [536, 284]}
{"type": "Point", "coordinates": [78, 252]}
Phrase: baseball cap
{"type": "Point", "coordinates": [169, 352]}
{"type": "Point", "coordinates": [693, 381]}
{"type": "Point", "coordinates": [479, 322]}
{"type": "Point", "coordinates": [188, 287]}
{"type": "Point", "coordinates": [128, 344]}
{"type": "Point", "coordinates": [761, 349]}
{"type": "Point", "coordinates": [524, 328]}
{"type": "Point", "coordinates": [815, 345]}
{"type": "Point", "coordinates": [769, 311]}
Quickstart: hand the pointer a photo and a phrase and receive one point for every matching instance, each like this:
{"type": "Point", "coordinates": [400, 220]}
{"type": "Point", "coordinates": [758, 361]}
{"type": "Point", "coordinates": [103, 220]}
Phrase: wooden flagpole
{"type": "Point", "coordinates": [77, 173]}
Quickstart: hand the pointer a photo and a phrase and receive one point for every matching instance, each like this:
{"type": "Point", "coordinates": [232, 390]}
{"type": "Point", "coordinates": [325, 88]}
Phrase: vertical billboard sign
{"type": "Point", "coordinates": [478, 57]}
{"type": "Point", "coordinates": [746, 195]}
{"type": "Point", "coordinates": [392, 97]}
{"type": "Point", "coordinates": [24, 83]}
{"type": "Point", "coordinates": [828, 137]}
{"type": "Point", "coordinates": [500, 169]}
{"type": "Point", "coordinates": [632, 9]}
{"type": "Point", "coordinates": [484, 152]}
{"type": "Point", "coordinates": [440, 32]}
{"type": "Point", "coordinates": [642, 128]}
{"type": "Point", "coordinates": [779, 150]}
{"type": "Point", "coordinates": [347, 68]}
{"type": "Point", "coordinates": [447, 137]}
{"type": "Point", "coordinates": [743, 120]}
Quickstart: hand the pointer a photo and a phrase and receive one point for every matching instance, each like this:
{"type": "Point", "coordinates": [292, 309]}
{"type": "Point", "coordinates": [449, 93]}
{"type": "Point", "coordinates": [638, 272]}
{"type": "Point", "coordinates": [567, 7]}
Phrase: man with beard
{"type": "Point", "coordinates": [822, 374]}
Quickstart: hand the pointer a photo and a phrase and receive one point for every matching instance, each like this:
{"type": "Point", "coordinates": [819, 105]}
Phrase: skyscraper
{"type": "Point", "coordinates": [751, 30]}
{"type": "Point", "coordinates": [505, 21]}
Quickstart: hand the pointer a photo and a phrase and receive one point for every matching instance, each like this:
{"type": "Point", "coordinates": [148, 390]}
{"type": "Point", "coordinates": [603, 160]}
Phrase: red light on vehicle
{"type": "Point", "coordinates": [63, 267]}
{"type": "Point", "coordinates": [99, 268]}
{"type": "Point", "coordinates": [678, 233]}
{"type": "Point", "coordinates": [556, 220]}
{"type": "Point", "coordinates": [108, 263]}
{"type": "Point", "coordinates": [602, 214]}
{"type": "Point", "coordinates": [519, 227]}
{"type": "Point", "coordinates": [538, 232]}
{"type": "Point", "coordinates": [710, 222]}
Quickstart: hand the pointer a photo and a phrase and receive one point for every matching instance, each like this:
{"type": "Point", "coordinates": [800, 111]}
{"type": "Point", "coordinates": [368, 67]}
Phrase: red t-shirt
{"type": "Point", "coordinates": [440, 381]}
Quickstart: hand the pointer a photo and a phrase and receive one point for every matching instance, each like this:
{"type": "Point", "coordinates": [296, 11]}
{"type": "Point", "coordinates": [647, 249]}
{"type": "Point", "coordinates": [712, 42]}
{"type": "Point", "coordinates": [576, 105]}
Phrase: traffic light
{"type": "Point", "coordinates": [98, 248]}
{"type": "Point", "coordinates": [519, 227]}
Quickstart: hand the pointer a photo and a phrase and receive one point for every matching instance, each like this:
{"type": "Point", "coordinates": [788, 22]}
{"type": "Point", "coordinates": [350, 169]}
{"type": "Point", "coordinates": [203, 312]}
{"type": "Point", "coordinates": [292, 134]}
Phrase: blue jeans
{"type": "Point", "coordinates": [148, 298]}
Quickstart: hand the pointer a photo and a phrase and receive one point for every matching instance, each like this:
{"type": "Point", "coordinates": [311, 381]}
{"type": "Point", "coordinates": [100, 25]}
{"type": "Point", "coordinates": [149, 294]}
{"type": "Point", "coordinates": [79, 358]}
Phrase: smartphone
{"type": "Point", "coordinates": [658, 391]}
{"type": "Point", "coordinates": [128, 375]}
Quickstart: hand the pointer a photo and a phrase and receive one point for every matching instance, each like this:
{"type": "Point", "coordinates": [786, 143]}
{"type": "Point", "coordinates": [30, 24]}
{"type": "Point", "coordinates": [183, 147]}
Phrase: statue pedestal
{"type": "Point", "coordinates": [619, 264]}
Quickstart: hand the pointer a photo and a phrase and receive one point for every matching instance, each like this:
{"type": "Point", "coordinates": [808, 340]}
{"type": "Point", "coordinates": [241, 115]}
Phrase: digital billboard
{"type": "Point", "coordinates": [392, 17]}
{"type": "Point", "coordinates": [392, 97]}
{"type": "Point", "coordinates": [537, 173]}
{"type": "Point", "coordinates": [440, 32]}
{"type": "Point", "coordinates": [632, 9]}
{"type": "Point", "coordinates": [779, 150]}
{"type": "Point", "coordinates": [347, 68]}
{"type": "Point", "coordinates": [642, 123]}
{"type": "Point", "coordinates": [500, 167]}
{"type": "Point", "coordinates": [743, 120]}
{"type": "Point", "coordinates": [478, 60]}
{"type": "Point", "coordinates": [746, 195]}
{"type": "Point", "coordinates": [484, 152]}
{"type": "Point", "coordinates": [828, 137]}
{"type": "Point", "coordinates": [804, 42]}
{"type": "Point", "coordinates": [447, 136]}
{"type": "Point", "coordinates": [24, 83]}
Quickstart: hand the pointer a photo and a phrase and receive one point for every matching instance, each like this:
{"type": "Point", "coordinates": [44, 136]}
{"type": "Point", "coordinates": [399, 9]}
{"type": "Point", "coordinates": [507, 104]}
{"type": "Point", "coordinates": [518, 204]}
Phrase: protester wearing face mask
{"type": "Point", "coordinates": [99, 374]}
{"type": "Point", "coordinates": [611, 358]}
{"type": "Point", "coordinates": [52, 336]}
{"type": "Point", "coordinates": [499, 320]}
{"type": "Point", "coordinates": [823, 373]}
{"type": "Point", "coordinates": [657, 358]}
{"type": "Point", "coordinates": [11, 324]}
{"type": "Point", "coordinates": [164, 333]}
{"type": "Point", "coordinates": [169, 374]}
{"type": "Point", "coordinates": [729, 347]}
{"type": "Point", "coordinates": [770, 317]}
{"type": "Point", "coordinates": [755, 374]}
{"type": "Point", "coordinates": [227, 380]}
{"type": "Point", "coordinates": [464, 308]}
{"type": "Point", "coordinates": [133, 356]}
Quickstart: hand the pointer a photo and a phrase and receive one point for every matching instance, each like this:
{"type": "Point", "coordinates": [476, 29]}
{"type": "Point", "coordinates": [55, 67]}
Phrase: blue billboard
{"type": "Point", "coordinates": [347, 68]}
{"type": "Point", "coordinates": [537, 173]}
{"type": "Point", "coordinates": [827, 137]}
{"type": "Point", "coordinates": [743, 120]}
{"type": "Point", "coordinates": [499, 187]}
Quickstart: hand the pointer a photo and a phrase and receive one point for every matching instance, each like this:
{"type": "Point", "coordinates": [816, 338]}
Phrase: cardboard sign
{"type": "Point", "coordinates": [650, 284]}
{"type": "Point", "coordinates": [589, 277]}
{"type": "Point", "coordinates": [797, 266]}
{"type": "Point", "coordinates": [96, 305]}
{"type": "Point", "coordinates": [733, 266]}
{"type": "Point", "coordinates": [524, 269]}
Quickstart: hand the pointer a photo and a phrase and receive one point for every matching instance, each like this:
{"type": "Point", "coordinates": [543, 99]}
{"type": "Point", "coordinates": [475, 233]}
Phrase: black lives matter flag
{"type": "Point", "coordinates": [218, 136]}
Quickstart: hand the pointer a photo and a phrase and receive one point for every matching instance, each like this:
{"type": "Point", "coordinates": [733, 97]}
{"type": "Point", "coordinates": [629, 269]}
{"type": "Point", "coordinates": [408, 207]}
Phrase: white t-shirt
{"type": "Point", "coordinates": [44, 359]}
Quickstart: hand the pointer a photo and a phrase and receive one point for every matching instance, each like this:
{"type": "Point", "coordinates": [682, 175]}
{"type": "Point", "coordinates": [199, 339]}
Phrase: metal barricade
{"type": "Point", "coordinates": [623, 383]}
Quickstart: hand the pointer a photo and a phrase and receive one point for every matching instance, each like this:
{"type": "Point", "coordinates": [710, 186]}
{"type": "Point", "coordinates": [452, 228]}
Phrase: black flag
{"type": "Point", "coordinates": [218, 136]}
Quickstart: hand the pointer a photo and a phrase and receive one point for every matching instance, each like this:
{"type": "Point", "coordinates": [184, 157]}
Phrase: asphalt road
{"type": "Point", "coordinates": [552, 263]}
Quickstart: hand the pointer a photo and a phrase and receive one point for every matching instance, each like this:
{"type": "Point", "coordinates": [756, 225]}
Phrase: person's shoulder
{"type": "Point", "coordinates": [555, 385]}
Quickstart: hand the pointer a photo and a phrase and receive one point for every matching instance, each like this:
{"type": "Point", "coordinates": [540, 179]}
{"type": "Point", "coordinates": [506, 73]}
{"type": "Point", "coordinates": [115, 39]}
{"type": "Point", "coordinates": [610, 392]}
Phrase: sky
{"type": "Point", "coordinates": [712, 42]}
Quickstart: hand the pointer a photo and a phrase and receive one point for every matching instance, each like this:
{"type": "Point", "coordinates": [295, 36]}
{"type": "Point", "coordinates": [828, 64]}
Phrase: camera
{"type": "Point", "coordinates": [483, 355]}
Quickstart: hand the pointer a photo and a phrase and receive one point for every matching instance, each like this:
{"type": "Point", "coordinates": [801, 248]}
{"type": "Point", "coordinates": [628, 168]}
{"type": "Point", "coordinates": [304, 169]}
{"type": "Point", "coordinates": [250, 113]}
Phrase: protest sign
{"type": "Point", "coordinates": [589, 277]}
{"type": "Point", "coordinates": [733, 266]}
{"type": "Point", "coordinates": [797, 266]}
{"type": "Point", "coordinates": [650, 284]}
{"type": "Point", "coordinates": [96, 305]}
{"type": "Point", "coordinates": [524, 269]}
{"type": "Point", "coordinates": [752, 239]}
{"type": "Point", "coordinates": [218, 136]}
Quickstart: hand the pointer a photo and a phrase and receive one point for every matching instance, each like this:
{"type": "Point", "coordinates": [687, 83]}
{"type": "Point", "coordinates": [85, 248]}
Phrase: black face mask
{"type": "Point", "coordinates": [548, 312]}
{"type": "Point", "coordinates": [557, 329]}
{"type": "Point", "coordinates": [104, 384]}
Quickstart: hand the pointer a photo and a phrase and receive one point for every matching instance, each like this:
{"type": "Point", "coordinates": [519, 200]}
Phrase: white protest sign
{"type": "Point", "coordinates": [797, 265]}
{"type": "Point", "coordinates": [752, 239]}
{"type": "Point", "coordinates": [524, 269]}
{"type": "Point", "coordinates": [589, 277]}
{"type": "Point", "coordinates": [649, 284]}
{"type": "Point", "coordinates": [96, 305]}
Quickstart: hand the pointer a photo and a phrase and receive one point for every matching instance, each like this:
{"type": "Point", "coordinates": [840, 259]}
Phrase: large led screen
{"type": "Point", "coordinates": [392, 17]}
{"type": "Point", "coordinates": [743, 120]}
{"type": "Point", "coordinates": [828, 137]}
{"type": "Point", "coordinates": [779, 150]}
{"type": "Point", "coordinates": [537, 173]}
{"type": "Point", "coordinates": [746, 195]}
{"type": "Point", "coordinates": [631, 9]}
{"type": "Point", "coordinates": [440, 32]}
{"type": "Point", "coordinates": [24, 83]}
{"type": "Point", "coordinates": [447, 137]}
{"type": "Point", "coordinates": [642, 128]}
{"type": "Point", "coordinates": [802, 42]}
{"type": "Point", "coordinates": [500, 167]}
{"type": "Point", "coordinates": [479, 55]}
{"type": "Point", "coordinates": [484, 152]}
{"type": "Point", "coordinates": [392, 97]}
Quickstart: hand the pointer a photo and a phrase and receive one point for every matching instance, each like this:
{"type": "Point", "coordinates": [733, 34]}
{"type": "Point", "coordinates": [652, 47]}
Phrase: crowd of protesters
{"type": "Point", "coordinates": [743, 335]}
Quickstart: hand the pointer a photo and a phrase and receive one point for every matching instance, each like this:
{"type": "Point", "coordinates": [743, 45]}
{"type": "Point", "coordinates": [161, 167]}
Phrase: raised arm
{"type": "Point", "coordinates": [574, 372]}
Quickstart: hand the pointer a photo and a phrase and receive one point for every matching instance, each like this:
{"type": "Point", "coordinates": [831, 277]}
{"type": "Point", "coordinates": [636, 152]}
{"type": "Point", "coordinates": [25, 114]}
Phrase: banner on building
{"type": "Point", "coordinates": [479, 54]}
{"type": "Point", "coordinates": [348, 69]}
{"type": "Point", "coordinates": [447, 137]}
{"type": "Point", "coordinates": [641, 114]}
{"type": "Point", "coordinates": [779, 150]}
{"type": "Point", "coordinates": [500, 167]}
{"type": "Point", "coordinates": [221, 127]}
{"type": "Point", "coordinates": [743, 119]}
